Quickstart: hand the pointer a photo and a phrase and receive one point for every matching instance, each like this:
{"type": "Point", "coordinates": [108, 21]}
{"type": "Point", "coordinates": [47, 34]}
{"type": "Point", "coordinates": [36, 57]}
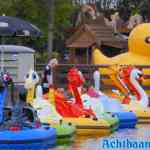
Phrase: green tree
{"type": "Point", "coordinates": [128, 7]}
{"type": "Point", "coordinates": [63, 13]}
{"type": "Point", "coordinates": [145, 9]}
{"type": "Point", "coordinates": [51, 16]}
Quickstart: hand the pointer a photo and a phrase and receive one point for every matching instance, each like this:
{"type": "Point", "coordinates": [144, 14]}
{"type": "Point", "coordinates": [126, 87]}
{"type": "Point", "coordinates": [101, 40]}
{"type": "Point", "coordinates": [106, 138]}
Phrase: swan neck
{"type": "Point", "coordinates": [30, 95]}
{"type": "Point", "coordinates": [137, 87]}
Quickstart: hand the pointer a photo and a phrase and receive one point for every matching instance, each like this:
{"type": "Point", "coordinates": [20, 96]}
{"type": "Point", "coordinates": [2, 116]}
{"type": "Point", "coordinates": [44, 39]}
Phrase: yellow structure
{"type": "Point", "coordinates": [138, 54]}
{"type": "Point", "coordinates": [50, 96]}
{"type": "Point", "coordinates": [139, 49]}
{"type": "Point", "coordinates": [30, 95]}
{"type": "Point", "coordinates": [89, 127]}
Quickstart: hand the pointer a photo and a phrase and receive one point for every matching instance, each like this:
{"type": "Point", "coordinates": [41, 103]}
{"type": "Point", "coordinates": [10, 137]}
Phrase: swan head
{"type": "Point", "coordinates": [136, 74]}
{"type": "Point", "coordinates": [131, 72]}
{"type": "Point", "coordinates": [31, 79]}
{"type": "Point", "coordinates": [86, 101]}
{"type": "Point", "coordinates": [139, 40]}
{"type": "Point", "coordinates": [75, 77]}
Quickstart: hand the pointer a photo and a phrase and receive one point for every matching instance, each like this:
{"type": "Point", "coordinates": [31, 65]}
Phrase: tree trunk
{"type": "Point", "coordinates": [50, 26]}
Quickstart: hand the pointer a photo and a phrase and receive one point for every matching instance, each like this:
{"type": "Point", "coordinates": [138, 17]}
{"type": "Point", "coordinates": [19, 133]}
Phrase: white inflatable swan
{"type": "Point", "coordinates": [46, 111]}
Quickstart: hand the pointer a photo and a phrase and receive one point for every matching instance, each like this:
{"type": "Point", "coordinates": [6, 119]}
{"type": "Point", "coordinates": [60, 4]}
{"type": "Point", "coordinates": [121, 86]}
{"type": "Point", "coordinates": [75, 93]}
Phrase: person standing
{"type": "Point", "coordinates": [52, 63]}
{"type": "Point", "coordinates": [48, 75]}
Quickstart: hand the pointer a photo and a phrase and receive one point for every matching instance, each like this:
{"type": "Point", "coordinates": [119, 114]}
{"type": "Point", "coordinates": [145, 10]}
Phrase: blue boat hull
{"type": "Point", "coordinates": [28, 139]}
{"type": "Point", "coordinates": [126, 119]}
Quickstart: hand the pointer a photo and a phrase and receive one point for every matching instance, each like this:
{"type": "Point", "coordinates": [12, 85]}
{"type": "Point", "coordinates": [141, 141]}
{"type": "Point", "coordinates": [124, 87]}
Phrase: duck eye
{"type": "Point", "coordinates": [27, 76]}
{"type": "Point", "coordinates": [34, 76]}
{"type": "Point", "coordinates": [147, 40]}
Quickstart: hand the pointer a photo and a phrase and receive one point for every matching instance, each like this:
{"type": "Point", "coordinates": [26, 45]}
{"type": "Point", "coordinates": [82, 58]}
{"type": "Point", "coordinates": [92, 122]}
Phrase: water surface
{"type": "Point", "coordinates": [142, 133]}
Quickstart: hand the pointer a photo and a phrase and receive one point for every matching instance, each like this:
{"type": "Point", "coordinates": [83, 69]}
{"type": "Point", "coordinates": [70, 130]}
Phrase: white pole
{"type": "Point", "coordinates": [96, 77]}
{"type": "Point", "coordinates": [2, 60]}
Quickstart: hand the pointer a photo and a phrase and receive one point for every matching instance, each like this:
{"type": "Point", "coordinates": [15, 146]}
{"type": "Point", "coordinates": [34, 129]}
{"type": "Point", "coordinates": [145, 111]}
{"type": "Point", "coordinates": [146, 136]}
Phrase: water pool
{"type": "Point", "coordinates": [142, 132]}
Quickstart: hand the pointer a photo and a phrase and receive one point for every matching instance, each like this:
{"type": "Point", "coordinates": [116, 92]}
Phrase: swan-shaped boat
{"type": "Point", "coordinates": [29, 135]}
{"type": "Point", "coordinates": [48, 115]}
{"type": "Point", "coordinates": [104, 105]}
{"type": "Point", "coordinates": [45, 110]}
{"type": "Point", "coordinates": [18, 130]}
{"type": "Point", "coordinates": [76, 112]}
{"type": "Point", "coordinates": [139, 103]}
{"type": "Point", "coordinates": [86, 125]}
{"type": "Point", "coordinates": [135, 99]}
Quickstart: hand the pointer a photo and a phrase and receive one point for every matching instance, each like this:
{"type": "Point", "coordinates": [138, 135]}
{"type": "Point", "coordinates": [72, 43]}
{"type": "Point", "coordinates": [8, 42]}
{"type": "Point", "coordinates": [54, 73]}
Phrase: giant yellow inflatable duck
{"type": "Point", "coordinates": [138, 54]}
{"type": "Point", "coordinates": [139, 49]}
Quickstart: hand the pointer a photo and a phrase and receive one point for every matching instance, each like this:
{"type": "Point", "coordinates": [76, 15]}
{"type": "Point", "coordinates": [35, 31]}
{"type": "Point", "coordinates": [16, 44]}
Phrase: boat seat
{"type": "Point", "coordinates": [30, 113]}
{"type": "Point", "coordinates": [7, 113]}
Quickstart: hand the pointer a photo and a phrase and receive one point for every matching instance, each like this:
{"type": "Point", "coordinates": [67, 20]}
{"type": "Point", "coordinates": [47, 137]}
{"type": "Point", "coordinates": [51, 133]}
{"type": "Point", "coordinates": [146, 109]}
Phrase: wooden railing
{"type": "Point", "coordinates": [60, 72]}
{"type": "Point", "coordinates": [60, 75]}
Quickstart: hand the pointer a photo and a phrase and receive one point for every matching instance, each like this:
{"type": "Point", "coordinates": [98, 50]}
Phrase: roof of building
{"type": "Point", "coordinates": [95, 31]}
{"type": "Point", "coordinates": [15, 49]}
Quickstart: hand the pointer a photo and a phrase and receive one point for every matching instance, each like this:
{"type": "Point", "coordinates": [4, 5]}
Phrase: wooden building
{"type": "Point", "coordinates": [90, 32]}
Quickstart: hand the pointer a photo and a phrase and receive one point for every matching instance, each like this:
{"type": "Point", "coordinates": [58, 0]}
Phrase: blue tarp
{"type": "Point", "coordinates": [3, 95]}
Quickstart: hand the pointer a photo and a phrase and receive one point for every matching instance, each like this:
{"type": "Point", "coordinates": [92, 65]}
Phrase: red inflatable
{"type": "Point", "coordinates": [72, 109]}
{"type": "Point", "coordinates": [125, 74]}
